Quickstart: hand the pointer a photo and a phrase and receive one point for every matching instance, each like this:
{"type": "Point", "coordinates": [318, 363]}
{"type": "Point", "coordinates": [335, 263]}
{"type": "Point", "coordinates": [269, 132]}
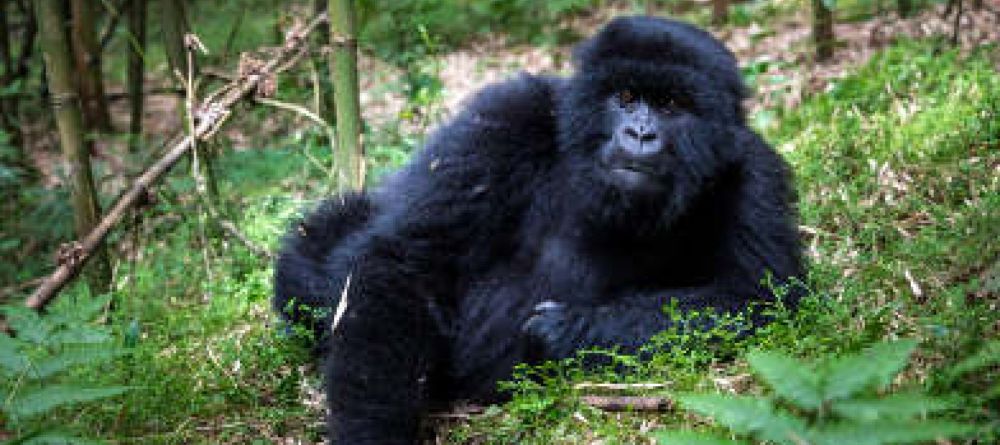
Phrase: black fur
{"type": "Point", "coordinates": [506, 240]}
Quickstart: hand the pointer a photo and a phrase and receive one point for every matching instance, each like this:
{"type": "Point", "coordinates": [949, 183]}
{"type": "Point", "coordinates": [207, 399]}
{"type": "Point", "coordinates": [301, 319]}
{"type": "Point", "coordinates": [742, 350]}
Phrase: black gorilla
{"type": "Point", "coordinates": [549, 215]}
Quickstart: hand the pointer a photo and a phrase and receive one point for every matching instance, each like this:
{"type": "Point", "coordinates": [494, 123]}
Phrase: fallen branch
{"type": "Point", "coordinates": [210, 117]}
{"type": "Point", "coordinates": [604, 403]}
{"type": "Point", "coordinates": [628, 403]}
{"type": "Point", "coordinates": [618, 386]}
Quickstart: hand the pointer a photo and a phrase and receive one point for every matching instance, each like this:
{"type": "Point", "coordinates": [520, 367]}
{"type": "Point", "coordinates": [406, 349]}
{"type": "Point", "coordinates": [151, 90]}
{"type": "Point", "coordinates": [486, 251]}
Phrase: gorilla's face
{"type": "Point", "coordinates": [642, 145]}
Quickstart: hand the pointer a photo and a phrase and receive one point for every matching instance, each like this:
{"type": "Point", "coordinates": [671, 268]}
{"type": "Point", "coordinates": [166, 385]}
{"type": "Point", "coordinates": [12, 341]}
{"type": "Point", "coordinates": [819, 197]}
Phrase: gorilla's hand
{"type": "Point", "coordinates": [555, 329]}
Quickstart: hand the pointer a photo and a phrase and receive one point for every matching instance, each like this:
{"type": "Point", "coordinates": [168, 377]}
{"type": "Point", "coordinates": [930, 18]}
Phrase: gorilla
{"type": "Point", "coordinates": [551, 214]}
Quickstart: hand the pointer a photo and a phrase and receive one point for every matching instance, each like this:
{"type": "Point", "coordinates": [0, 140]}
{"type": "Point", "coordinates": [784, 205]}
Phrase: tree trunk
{"type": "Point", "coordinates": [325, 105]}
{"type": "Point", "coordinates": [87, 54]}
{"type": "Point", "coordinates": [66, 108]}
{"type": "Point", "coordinates": [22, 67]}
{"type": "Point", "coordinates": [349, 159]}
{"type": "Point", "coordinates": [174, 24]}
{"type": "Point", "coordinates": [136, 70]}
{"type": "Point", "coordinates": [822, 30]}
{"type": "Point", "coordinates": [720, 11]}
{"type": "Point", "coordinates": [905, 7]}
{"type": "Point", "coordinates": [8, 105]}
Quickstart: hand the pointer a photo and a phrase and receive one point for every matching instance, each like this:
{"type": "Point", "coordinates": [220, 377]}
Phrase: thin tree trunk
{"type": "Point", "coordinates": [66, 107]}
{"type": "Point", "coordinates": [175, 27]}
{"type": "Point", "coordinates": [344, 66]}
{"type": "Point", "coordinates": [720, 11]}
{"type": "Point", "coordinates": [325, 106]}
{"type": "Point", "coordinates": [822, 30]}
{"type": "Point", "coordinates": [174, 24]}
{"type": "Point", "coordinates": [27, 40]}
{"type": "Point", "coordinates": [136, 69]}
{"type": "Point", "coordinates": [87, 54]}
{"type": "Point", "coordinates": [8, 105]}
{"type": "Point", "coordinates": [905, 7]}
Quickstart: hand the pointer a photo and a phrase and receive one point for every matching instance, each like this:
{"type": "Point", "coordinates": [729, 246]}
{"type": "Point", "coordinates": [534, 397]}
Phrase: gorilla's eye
{"type": "Point", "coordinates": [625, 97]}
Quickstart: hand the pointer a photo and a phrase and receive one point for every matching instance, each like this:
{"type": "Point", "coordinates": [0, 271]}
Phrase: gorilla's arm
{"type": "Point", "coordinates": [760, 240]}
{"type": "Point", "coordinates": [444, 220]}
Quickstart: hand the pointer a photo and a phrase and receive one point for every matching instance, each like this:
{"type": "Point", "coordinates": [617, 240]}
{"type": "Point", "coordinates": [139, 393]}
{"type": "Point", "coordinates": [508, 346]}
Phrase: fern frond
{"type": "Point", "coordinates": [895, 406]}
{"type": "Point", "coordinates": [693, 438]}
{"type": "Point", "coordinates": [875, 366]}
{"type": "Point", "coordinates": [748, 415]}
{"type": "Point", "coordinates": [55, 364]}
{"type": "Point", "coordinates": [887, 432]}
{"type": "Point", "coordinates": [35, 401]}
{"type": "Point", "coordinates": [988, 355]}
{"type": "Point", "coordinates": [790, 379]}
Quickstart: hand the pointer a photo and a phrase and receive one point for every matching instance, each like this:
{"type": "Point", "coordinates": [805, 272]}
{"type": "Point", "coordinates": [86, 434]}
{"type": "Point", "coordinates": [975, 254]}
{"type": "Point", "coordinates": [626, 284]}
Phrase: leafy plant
{"type": "Point", "coordinates": [37, 366]}
{"type": "Point", "coordinates": [832, 403]}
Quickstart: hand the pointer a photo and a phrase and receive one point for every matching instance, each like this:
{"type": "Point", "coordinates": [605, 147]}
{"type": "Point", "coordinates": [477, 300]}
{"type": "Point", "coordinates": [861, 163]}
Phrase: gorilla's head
{"type": "Point", "coordinates": [646, 117]}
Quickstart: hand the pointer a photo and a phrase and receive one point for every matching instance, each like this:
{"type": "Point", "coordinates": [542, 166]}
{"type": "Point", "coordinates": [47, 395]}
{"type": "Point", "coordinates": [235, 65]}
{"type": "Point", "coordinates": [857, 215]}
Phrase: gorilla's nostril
{"type": "Point", "coordinates": [647, 137]}
{"type": "Point", "coordinates": [630, 132]}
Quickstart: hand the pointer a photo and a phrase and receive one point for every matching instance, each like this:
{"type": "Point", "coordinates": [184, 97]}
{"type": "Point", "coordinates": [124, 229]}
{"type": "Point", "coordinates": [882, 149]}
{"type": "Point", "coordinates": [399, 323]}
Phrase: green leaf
{"type": "Point", "coordinates": [747, 415]}
{"type": "Point", "coordinates": [988, 355]}
{"type": "Point", "coordinates": [895, 406]}
{"type": "Point", "coordinates": [79, 335]}
{"type": "Point", "coordinates": [693, 438]}
{"type": "Point", "coordinates": [875, 366]}
{"type": "Point", "coordinates": [71, 357]}
{"type": "Point", "coordinates": [886, 432]}
{"type": "Point", "coordinates": [36, 401]}
{"type": "Point", "coordinates": [790, 379]}
{"type": "Point", "coordinates": [29, 326]}
{"type": "Point", "coordinates": [830, 4]}
{"type": "Point", "coordinates": [57, 438]}
{"type": "Point", "coordinates": [13, 362]}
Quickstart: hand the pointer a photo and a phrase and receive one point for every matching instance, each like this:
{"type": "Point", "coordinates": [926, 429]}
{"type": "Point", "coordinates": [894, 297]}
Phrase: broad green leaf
{"type": "Point", "coordinates": [693, 438]}
{"type": "Point", "coordinates": [875, 366]}
{"type": "Point", "coordinates": [895, 406]}
{"type": "Point", "coordinates": [887, 432]}
{"type": "Point", "coordinates": [747, 415]}
{"type": "Point", "coordinates": [790, 379]}
{"type": "Point", "coordinates": [36, 401]}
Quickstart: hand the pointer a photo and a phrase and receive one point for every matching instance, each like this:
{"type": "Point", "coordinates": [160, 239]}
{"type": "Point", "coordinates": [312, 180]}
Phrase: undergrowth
{"type": "Point", "coordinates": [897, 175]}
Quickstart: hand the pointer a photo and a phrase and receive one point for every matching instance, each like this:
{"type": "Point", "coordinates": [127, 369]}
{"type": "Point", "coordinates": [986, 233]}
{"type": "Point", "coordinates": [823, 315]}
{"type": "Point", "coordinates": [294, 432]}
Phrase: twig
{"type": "Point", "coordinates": [233, 231]}
{"type": "Point", "coordinates": [10, 290]}
{"type": "Point", "coordinates": [628, 403]}
{"type": "Point", "coordinates": [211, 115]}
{"type": "Point", "coordinates": [618, 386]}
{"type": "Point", "coordinates": [327, 128]}
{"type": "Point", "coordinates": [116, 13]}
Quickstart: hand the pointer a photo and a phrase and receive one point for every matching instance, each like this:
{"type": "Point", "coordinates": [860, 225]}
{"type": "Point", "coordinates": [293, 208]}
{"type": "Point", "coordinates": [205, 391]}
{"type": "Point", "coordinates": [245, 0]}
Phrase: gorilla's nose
{"type": "Point", "coordinates": [641, 133]}
{"type": "Point", "coordinates": [640, 142]}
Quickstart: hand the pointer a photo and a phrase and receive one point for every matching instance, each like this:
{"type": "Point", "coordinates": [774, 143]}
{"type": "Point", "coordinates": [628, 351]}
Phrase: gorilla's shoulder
{"type": "Point", "coordinates": [522, 105]}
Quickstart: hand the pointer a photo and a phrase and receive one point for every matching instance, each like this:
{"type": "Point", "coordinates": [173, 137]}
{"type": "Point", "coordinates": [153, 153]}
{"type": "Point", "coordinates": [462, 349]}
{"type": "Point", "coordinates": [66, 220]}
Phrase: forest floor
{"type": "Point", "coordinates": [898, 203]}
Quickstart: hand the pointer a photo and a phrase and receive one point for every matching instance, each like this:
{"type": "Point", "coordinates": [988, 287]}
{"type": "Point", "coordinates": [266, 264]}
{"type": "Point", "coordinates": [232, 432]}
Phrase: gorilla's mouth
{"type": "Point", "coordinates": [635, 177]}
